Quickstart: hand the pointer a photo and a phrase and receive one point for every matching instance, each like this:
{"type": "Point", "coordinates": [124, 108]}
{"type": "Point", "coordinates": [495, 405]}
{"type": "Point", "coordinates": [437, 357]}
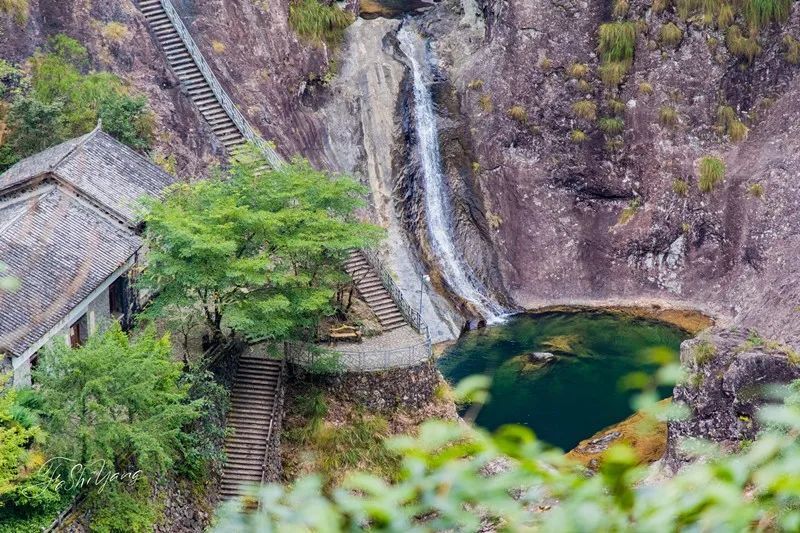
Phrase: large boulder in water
{"type": "Point", "coordinates": [532, 361]}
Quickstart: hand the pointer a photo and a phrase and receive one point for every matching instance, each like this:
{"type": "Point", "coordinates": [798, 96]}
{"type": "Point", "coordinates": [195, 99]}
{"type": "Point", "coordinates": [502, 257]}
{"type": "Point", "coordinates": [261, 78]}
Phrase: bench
{"type": "Point", "coordinates": [345, 333]}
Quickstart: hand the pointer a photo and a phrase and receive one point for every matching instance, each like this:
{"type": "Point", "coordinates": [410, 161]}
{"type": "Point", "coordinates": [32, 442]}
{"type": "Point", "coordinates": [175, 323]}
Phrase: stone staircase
{"type": "Point", "coordinates": [251, 421]}
{"type": "Point", "coordinates": [370, 287]}
{"type": "Point", "coordinates": [190, 75]}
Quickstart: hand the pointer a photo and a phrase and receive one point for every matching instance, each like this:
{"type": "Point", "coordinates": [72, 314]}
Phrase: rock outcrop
{"type": "Point", "coordinates": [729, 373]}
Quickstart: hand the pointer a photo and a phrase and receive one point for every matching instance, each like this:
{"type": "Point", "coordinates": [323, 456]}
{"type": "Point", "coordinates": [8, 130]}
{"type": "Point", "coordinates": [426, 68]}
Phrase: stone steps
{"type": "Point", "coordinates": [370, 288]}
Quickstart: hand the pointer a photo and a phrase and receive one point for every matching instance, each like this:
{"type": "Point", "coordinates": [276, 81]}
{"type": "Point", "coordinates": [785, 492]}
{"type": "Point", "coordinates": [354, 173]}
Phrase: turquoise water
{"type": "Point", "coordinates": [578, 392]}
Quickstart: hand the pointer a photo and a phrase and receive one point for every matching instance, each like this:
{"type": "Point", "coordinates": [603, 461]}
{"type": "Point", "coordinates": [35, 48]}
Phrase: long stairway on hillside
{"type": "Point", "coordinates": [370, 287]}
{"type": "Point", "coordinates": [251, 421]}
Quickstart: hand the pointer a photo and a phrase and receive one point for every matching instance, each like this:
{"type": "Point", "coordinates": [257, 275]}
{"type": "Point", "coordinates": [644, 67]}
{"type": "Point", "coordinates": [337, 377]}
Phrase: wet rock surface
{"type": "Point", "coordinates": [729, 375]}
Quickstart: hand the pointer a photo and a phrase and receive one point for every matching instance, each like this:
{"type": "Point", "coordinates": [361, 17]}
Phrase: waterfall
{"type": "Point", "coordinates": [438, 210]}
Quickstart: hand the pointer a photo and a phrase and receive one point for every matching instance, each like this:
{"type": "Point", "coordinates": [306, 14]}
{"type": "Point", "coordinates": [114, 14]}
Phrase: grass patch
{"type": "Point", "coordinates": [703, 352]}
{"type": "Point", "coordinates": [318, 22]}
{"type": "Point", "coordinates": [729, 124]}
{"type": "Point", "coordinates": [475, 85]}
{"type": "Point", "coordinates": [745, 48]}
{"type": "Point", "coordinates": [617, 41]}
{"type": "Point", "coordinates": [18, 9]}
{"type": "Point", "coordinates": [613, 72]}
{"type": "Point", "coordinates": [518, 113]}
{"type": "Point", "coordinates": [621, 8]}
{"type": "Point", "coordinates": [584, 86]}
{"type": "Point", "coordinates": [725, 16]}
{"type": "Point", "coordinates": [611, 125]}
{"type": "Point", "coordinates": [578, 136]}
{"type": "Point", "coordinates": [578, 70]}
{"type": "Point", "coordinates": [712, 172]}
{"type": "Point", "coordinates": [680, 187]}
{"type": "Point", "coordinates": [760, 13]}
{"type": "Point", "coordinates": [546, 63]}
{"type": "Point", "coordinates": [616, 106]}
{"type": "Point", "coordinates": [115, 32]}
{"type": "Point", "coordinates": [792, 53]}
{"type": "Point", "coordinates": [585, 109]}
{"type": "Point", "coordinates": [485, 103]}
{"type": "Point", "coordinates": [218, 47]}
{"type": "Point", "coordinates": [756, 190]}
{"type": "Point", "coordinates": [668, 116]}
{"type": "Point", "coordinates": [614, 145]}
{"type": "Point", "coordinates": [630, 210]}
{"type": "Point", "coordinates": [645, 88]}
{"type": "Point", "coordinates": [670, 35]}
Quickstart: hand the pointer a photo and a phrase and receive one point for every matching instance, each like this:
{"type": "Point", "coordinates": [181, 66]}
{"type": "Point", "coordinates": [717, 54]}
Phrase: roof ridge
{"type": "Point", "coordinates": [86, 138]}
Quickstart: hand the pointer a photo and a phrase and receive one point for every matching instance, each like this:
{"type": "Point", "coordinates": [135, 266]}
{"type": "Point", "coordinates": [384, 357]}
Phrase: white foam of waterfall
{"type": "Point", "coordinates": [438, 210]}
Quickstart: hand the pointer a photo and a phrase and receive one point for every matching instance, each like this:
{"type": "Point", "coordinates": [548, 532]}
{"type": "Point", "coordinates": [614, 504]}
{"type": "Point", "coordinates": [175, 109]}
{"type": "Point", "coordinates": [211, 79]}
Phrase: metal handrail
{"type": "Point", "coordinates": [306, 355]}
{"type": "Point", "coordinates": [272, 418]}
{"type": "Point", "coordinates": [411, 315]}
{"type": "Point", "coordinates": [267, 148]}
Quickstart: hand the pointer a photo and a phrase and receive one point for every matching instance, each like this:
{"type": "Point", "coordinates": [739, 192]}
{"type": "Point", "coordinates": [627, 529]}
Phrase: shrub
{"type": "Point", "coordinates": [712, 172]}
{"type": "Point", "coordinates": [115, 32]}
{"type": "Point", "coordinates": [668, 116]}
{"type": "Point", "coordinates": [792, 45]}
{"type": "Point", "coordinates": [746, 48]}
{"type": "Point", "coordinates": [703, 352]}
{"type": "Point", "coordinates": [518, 113]}
{"type": "Point", "coordinates": [485, 103]}
{"type": "Point", "coordinates": [585, 109]}
{"type": "Point", "coordinates": [617, 41]}
{"type": "Point", "coordinates": [612, 125]}
{"type": "Point", "coordinates": [756, 190]}
{"type": "Point", "coordinates": [645, 88]}
{"type": "Point", "coordinates": [611, 73]}
{"type": "Point", "coordinates": [319, 22]}
{"type": "Point", "coordinates": [578, 136]}
{"type": "Point", "coordinates": [578, 70]}
{"type": "Point", "coordinates": [475, 85]}
{"type": "Point", "coordinates": [670, 35]}
{"type": "Point", "coordinates": [680, 187]}
{"type": "Point", "coordinates": [18, 9]}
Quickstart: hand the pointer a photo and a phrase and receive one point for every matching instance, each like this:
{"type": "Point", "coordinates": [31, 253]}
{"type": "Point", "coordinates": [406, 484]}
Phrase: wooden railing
{"type": "Point", "coordinates": [271, 428]}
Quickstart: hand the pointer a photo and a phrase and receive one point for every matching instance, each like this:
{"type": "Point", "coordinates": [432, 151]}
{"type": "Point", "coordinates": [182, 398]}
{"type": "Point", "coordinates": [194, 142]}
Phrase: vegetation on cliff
{"type": "Point", "coordinates": [55, 97]}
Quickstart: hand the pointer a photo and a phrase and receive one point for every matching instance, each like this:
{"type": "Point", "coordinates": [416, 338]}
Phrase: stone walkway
{"type": "Point", "coordinates": [401, 347]}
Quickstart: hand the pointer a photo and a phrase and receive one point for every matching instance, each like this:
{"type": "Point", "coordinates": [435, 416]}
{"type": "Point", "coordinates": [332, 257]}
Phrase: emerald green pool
{"type": "Point", "coordinates": [576, 393]}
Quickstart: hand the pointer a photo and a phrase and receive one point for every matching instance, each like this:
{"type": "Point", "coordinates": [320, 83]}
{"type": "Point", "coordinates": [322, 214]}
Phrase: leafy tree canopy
{"type": "Point", "coordinates": [115, 399]}
{"type": "Point", "coordinates": [55, 99]}
{"type": "Point", "coordinates": [257, 251]}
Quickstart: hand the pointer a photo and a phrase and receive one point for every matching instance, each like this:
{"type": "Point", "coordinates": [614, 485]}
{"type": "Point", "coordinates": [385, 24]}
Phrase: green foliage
{"type": "Point", "coordinates": [319, 22]}
{"type": "Point", "coordinates": [630, 210]}
{"type": "Point", "coordinates": [18, 9]}
{"type": "Point", "coordinates": [616, 106]}
{"type": "Point", "coordinates": [612, 72]}
{"type": "Point", "coordinates": [712, 172]}
{"type": "Point", "coordinates": [585, 109]}
{"type": "Point", "coordinates": [518, 113]}
{"type": "Point", "coordinates": [725, 16]}
{"type": "Point", "coordinates": [792, 53]}
{"type": "Point", "coordinates": [617, 41]}
{"type": "Point", "coordinates": [760, 13]}
{"type": "Point", "coordinates": [115, 400]}
{"type": "Point", "coordinates": [259, 252]}
{"type": "Point", "coordinates": [670, 35]}
{"type": "Point", "coordinates": [668, 116]}
{"type": "Point", "coordinates": [756, 190]}
{"type": "Point", "coordinates": [611, 125]}
{"type": "Point", "coordinates": [443, 486]}
{"type": "Point", "coordinates": [729, 123]}
{"type": "Point", "coordinates": [58, 101]}
{"type": "Point", "coordinates": [746, 48]}
{"type": "Point", "coordinates": [680, 187]}
{"type": "Point", "coordinates": [121, 508]}
{"type": "Point", "coordinates": [578, 136]}
{"type": "Point", "coordinates": [703, 352]}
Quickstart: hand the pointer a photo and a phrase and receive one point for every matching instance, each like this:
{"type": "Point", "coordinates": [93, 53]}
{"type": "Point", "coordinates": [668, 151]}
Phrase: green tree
{"type": "Point", "coordinates": [116, 400]}
{"type": "Point", "coordinates": [259, 252]}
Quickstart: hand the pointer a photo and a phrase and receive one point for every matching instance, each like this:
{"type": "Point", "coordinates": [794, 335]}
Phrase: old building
{"type": "Point", "coordinates": [68, 234]}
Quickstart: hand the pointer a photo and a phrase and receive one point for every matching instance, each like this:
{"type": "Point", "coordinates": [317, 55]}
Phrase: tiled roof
{"type": "Point", "coordinates": [99, 166]}
{"type": "Point", "coordinates": [60, 249]}
{"type": "Point", "coordinates": [56, 235]}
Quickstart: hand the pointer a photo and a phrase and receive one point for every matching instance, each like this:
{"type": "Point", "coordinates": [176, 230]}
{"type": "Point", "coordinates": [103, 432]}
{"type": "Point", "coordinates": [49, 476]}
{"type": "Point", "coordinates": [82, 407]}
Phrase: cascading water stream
{"type": "Point", "coordinates": [437, 202]}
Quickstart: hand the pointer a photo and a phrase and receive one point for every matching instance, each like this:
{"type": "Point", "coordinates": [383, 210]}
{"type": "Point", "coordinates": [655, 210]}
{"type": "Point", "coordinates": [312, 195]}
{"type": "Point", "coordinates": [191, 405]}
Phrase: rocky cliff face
{"type": "Point", "coordinates": [728, 378]}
